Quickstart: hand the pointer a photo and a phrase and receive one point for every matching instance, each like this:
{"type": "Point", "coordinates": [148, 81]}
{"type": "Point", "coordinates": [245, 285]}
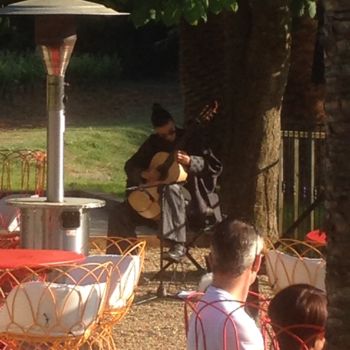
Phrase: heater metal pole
{"type": "Point", "coordinates": [55, 138]}
{"type": "Point", "coordinates": [56, 37]}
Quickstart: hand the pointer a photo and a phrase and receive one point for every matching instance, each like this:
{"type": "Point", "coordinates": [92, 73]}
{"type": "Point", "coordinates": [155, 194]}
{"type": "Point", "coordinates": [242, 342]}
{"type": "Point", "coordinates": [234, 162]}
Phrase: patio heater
{"type": "Point", "coordinates": [55, 221]}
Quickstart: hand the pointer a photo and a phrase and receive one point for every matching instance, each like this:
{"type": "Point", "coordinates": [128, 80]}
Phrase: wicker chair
{"type": "Point", "coordinates": [286, 338]}
{"type": "Point", "coordinates": [127, 263]}
{"type": "Point", "coordinates": [290, 261]}
{"type": "Point", "coordinates": [196, 311]}
{"type": "Point", "coordinates": [52, 308]}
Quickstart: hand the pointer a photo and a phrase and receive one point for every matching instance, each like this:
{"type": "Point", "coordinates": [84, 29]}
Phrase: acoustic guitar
{"type": "Point", "coordinates": [145, 199]}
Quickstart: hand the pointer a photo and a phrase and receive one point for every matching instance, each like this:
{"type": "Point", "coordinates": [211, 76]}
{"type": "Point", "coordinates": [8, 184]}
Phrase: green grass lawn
{"type": "Point", "coordinates": [94, 154]}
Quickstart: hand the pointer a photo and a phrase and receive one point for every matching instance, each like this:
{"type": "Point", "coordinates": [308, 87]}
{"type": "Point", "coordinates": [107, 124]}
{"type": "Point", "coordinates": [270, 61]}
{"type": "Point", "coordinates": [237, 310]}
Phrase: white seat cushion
{"type": "Point", "coordinates": [51, 309]}
{"type": "Point", "coordinates": [284, 270]}
{"type": "Point", "coordinates": [124, 277]}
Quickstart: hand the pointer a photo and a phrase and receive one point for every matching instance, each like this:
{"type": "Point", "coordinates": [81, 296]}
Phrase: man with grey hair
{"type": "Point", "coordinates": [219, 321]}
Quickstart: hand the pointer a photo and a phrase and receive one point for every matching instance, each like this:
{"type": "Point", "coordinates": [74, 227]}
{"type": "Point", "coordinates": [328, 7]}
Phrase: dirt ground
{"type": "Point", "coordinates": [158, 323]}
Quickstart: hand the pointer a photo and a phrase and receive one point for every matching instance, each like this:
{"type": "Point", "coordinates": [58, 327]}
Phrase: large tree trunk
{"type": "Point", "coordinates": [202, 70]}
{"type": "Point", "coordinates": [258, 52]}
{"type": "Point", "coordinates": [242, 60]}
{"type": "Point", "coordinates": [338, 172]}
{"type": "Point", "coordinates": [303, 99]}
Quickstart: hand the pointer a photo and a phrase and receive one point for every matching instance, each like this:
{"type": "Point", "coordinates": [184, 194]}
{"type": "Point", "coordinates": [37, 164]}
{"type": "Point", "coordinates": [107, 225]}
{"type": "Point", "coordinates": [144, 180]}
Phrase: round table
{"type": "Point", "coordinates": [17, 258]}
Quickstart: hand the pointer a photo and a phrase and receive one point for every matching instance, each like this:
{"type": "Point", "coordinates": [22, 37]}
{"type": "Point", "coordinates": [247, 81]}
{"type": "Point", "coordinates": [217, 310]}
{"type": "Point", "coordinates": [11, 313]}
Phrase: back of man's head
{"type": "Point", "coordinates": [234, 247]}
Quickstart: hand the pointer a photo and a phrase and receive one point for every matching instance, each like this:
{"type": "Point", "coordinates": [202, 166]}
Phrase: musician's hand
{"type": "Point", "coordinates": [151, 175]}
{"type": "Point", "coordinates": [183, 158]}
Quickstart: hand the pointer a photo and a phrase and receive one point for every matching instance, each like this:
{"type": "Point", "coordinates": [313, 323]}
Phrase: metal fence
{"type": "Point", "coordinates": [301, 180]}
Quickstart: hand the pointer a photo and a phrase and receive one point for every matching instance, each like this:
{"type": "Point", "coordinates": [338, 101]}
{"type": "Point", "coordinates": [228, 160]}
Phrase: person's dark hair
{"type": "Point", "coordinates": [234, 247]}
{"type": "Point", "coordinates": [160, 116]}
{"type": "Point", "coordinates": [298, 314]}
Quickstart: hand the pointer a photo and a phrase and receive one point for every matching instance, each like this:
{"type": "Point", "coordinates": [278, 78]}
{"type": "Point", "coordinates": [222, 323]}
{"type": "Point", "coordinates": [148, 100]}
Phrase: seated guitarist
{"type": "Point", "coordinates": [202, 169]}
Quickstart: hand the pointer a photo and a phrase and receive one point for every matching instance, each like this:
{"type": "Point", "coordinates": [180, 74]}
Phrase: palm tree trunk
{"type": "Point", "coordinates": [337, 21]}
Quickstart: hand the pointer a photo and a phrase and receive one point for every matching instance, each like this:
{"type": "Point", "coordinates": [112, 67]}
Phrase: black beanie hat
{"type": "Point", "coordinates": [160, 116]}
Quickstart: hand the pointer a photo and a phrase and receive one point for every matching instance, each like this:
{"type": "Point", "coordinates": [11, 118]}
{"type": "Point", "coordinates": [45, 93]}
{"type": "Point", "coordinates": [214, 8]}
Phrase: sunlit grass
{"type": "Point", "coordinates": [94, 155]}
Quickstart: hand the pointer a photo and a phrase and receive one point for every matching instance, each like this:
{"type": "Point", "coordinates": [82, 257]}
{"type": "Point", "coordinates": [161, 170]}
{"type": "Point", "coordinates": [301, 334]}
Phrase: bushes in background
{"type": "Point", "coordinates": [25, 70]}
{"type": "Point", "coordinates": [87, 68]}
{"type": "Point", "coordinates": [19, 70]}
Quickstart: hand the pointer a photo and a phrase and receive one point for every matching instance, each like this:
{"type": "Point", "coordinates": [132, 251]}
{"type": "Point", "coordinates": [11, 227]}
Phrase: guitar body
{"type": "Point", "coordinates": [176, 172]}
{"type": "Point", "coordinates": [146, 201]}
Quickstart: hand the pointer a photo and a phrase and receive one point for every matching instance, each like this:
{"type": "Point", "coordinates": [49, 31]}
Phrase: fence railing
{"type": "Point", "coordinates": [301, 179]}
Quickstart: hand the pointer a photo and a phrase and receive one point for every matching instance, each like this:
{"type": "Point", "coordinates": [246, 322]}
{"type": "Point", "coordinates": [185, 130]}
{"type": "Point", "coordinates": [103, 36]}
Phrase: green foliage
{"type": "Point", "coordinates": [27, 69]}
{"type": "Point", "coordinates": [195, 11]}
{"type": "Point", "coordinates": [303, 7]}
{"type": "Point", "coordinates": [87, 68]}
{"type": "Point", "coordinates": [4, 24]}
{"type": "Point", "coordinates": [19, 69]}
{"type": "Point", "coordinates": [171, 11]}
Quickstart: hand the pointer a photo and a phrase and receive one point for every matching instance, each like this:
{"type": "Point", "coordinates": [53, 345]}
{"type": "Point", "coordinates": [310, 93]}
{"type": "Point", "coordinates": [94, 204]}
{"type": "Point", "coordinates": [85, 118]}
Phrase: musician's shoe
{"type": "Point", "coordinates": [176, 252]}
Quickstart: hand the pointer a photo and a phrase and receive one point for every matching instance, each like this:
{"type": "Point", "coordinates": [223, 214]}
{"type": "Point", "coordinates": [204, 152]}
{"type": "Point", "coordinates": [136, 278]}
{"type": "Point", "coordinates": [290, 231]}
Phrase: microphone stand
{"type": "Point", "coordinates": [161, 290]}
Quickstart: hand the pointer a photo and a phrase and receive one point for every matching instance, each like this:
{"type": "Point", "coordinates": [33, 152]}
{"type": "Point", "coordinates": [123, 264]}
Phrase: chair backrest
{"type": "Point", "coordinates": [101, 245]}
{"type": "Point", "coordinates": [290, 263]}
{"type": "Point", "coordinates": [219, 324]}
{"type": "Point", "coordinates": [22, 169]}
{"type": "Point", "coordinates": [293, 337]}
{"type": "Point", "coordinates": [53, 308]}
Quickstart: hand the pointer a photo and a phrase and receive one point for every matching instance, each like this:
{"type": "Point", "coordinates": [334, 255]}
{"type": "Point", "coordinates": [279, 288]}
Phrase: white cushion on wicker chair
{"type": "Point", "coordinates": [124, 277]}
{"type": "Point", "coordinates": [40, 308]}
{"type": "Point", "coordinates": [284, 269]}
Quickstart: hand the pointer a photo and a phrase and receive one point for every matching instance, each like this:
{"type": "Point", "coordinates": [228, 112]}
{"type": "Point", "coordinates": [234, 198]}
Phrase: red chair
{"type": "Point", "coordinates": [317, 238]}
{"type": "Point", "coordinates": [290, 261]}
{"type": "Point", "coordinates": [208, 322]}
{"type": "Point", "coordinates": [294, 337]}
{"type": "Point", "coordinates": [60, 312]}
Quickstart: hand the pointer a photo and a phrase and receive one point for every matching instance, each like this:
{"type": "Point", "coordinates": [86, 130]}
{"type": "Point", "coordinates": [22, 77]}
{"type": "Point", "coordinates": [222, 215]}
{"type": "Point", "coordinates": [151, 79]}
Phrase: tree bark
{"type": "Point", "coordinates": [202, 70]}
{"type": "Point", "coordinates": [337, 21]}
{"type": "Point", "coordinates": [303, 100]}
{"type": "Point", "coordinates": [242, 60]}
{"type": "Point", "coordinates": [254, 90]}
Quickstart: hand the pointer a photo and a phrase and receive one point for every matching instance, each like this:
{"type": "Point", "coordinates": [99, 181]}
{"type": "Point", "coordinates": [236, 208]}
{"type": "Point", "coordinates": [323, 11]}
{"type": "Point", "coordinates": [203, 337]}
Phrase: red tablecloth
{"type": "Point", "coordinates": [17, 258]}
